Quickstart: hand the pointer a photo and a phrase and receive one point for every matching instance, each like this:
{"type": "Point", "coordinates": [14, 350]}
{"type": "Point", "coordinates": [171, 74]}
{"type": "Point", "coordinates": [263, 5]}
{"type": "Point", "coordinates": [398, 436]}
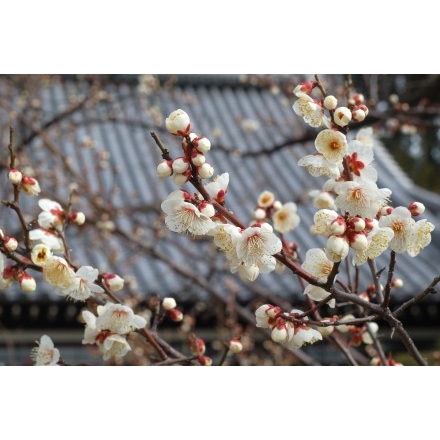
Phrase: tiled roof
{"type": "Point", "coordinates": [104, 137]}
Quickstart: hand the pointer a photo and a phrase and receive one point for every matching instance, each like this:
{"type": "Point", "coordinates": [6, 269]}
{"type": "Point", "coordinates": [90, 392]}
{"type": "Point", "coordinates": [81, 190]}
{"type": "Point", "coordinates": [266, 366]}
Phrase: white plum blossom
{"type": "Point", "coordinates": [45, 354]}
{"type": "Point", "coordinates": [342, 116]}
{"type": "Point", "coordinates": [420, 237]}
{"type": "Point", "coordinates": [225, 237]}
{"type": "Point", "coordinates": [182, 216]}
{"type": "Point", "coordinates": [378, 241]}
{"type": "Point", "coordinates": [401, 222]}
{"type": "Point", "coordinates": [310, 110]}
{"type": "Point", "coordinates": [266, 199]}
{"type": "Point", "coordinates": [302, 334]}
{"type": "Point", "coordinates": [332, 145]}
{"type": "Point", "coordinates": [47, 237]}
{"type": "Point", "coordinates": [56, 271]}
{"type": "Point", "coordinates": [83, 284]}
{"type": "Point", "coordinates": [320, 266]}
{"type": "Point", "coordinates": [265, 264]}
{"type": "Point", "coordinates": [218, 187]}
{"type": "Point", "coordinates": [322, 221]}
{"type": "Point", "coordinates": [40, 254]}
{"type": "Point", "coordinates": [29, 185]}
{"type": "Point", "coordinates": [52, 216]}
{"type": "Point", "coordinates": [118, 318]}
{"type": "Point", "coordinates": [361, 198]}
{"type": "Point", "coordinates": [266, 314]}
{"type": "Point", "coordinates": [255, 242]}
{"type": "Point", "coordinates": [359, 158]}
{"type": "Point", "coordinates": [317, 165]}
{"type": "Point", "coordinates": [286, 218]}
{"type": "Point", "coordinates": [115, 346]}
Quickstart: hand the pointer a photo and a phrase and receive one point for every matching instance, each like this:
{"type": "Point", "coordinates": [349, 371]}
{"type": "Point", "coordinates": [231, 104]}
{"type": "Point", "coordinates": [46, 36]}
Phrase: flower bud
{"type": "Point", "coordinates": [324, 200]}
{"type": "Point", "coordinates": [181, 179]}
{"type": "Point", "coordinates": [27, 282]}
{"type": "Point", "coordinates": [207, 209]}
{"type": "Point", "coordinates": [29, 185]}
{"type": "Point", "coordinates": [164, 169]}
{"type": "Point", "coordinates": [180, 165]}
{"type": "Point", "coordinates": [397, 283]}
{"type": "Point", "coordinates": [345, 328]}
{"type": "Point", "coordinates": [203, 145]}
{"type": "Point", "coordinates": [337, 248]}
{"type": "Point", "coordinates": [178, 123]}
{"type": "Point", "coordinates": [280, 332]}
{"type": "Point", "coordinates": [235, 345]}
{"type": "Point", "coordinates": [266, 199]}
{"type": "Point", "coordinates": [197, 345]}
{"type": "Point", "coordinates": [40, 254]}
{"type": "Point", "coordinates": [304, 87]}
{"type": "Point", "coordinates": [169, 303]}
{"type": "Point", "coordinates": [205, 171]}
{"type": "Point", "coordinates": [10, 243]}
{"type": "Point", "coordinates": [338, 225]}
{"type": "Point", "coordinates": [113, 281]}
{"type": "Point", "coordinates": [416, 208]}
{"type": "Point", "coordinates": [358, 98]}
{"type": "Point", "coordinates": [175, 315]}
{"type": "Point", "coordinates": [78, 218]}
{"type": "Point", "coordinates": [358, 114]}
{"type": "Point", "coordinates": [14, 176]}
{"type": "Point", "coordinates": [205, 361]}
{"type": "Point", "coordinates": [359, 242]}
{"type": "Point", "coordinates": [356, 224]}
{"type": "Point", "coordinates": [328, 330]}
{"type": "Point", "coordinates": [330, 102]}
{"type": "Point", "coordinates": [198, 159]}
{"type": "Point", "coordinates": [342, 116]}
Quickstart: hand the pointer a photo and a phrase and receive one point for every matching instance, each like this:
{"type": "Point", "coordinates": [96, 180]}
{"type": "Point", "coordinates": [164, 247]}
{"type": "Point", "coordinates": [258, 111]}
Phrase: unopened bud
{"type": "Point", "coordinates": [359, 242]}
{"type": "Point", "coordinates": [259, 214]}
{"type": "Point", "coordinates": [207, 209]}
{"type": "Point", "coordinates": [205, 171]}
{"type": "Point", "coordinates": [10, 243]}
{"type": "Point", "coordinates": [235, 345]}
{"type": "Point", "coordinates": [178, 123]}
{"type": "Point", "coordinates": [181, 179]}
{"type": "Point", "coordinates": [397, 283]}
{"type": "Point", "coordinates": [416, 208]}
{"type": "Point", "coordinates": [113, 281]}
{"type": "Point", "coordinates": [164, 169]}
{"type": "Point", "coordinates": [203, 145]}
{"type": "Point", "coordinates": [345, 328]}
{"type": "Point", "coordinates": [14, 176]}
{"type": "Point", "coordinates": [180, 165]}
{"type": "Point", "coordinates": [205, 361]}
{"type": "Point", "coordinates": [30, 186]}
{"type": "Point", "coordinates": [330, 102]}
{"type": "Point", "coordinates": [358, 114]}
{"type": "Point", "coordinates": [175, 315]}
{"type": "Point", "coordinates": [357, 224]}
{"type": "Point", "coordinates": [326, 330]}
{"type": "Point", "coordinates": [280, 332]}
{"type": "Point", "coordinates": [198, 159]}
{"type": "Point", "coordinates": [338, 226]}
{"type": "Point", "coordinates": [197, 345]}
{"type": "Point", "coordinates": [169, 303]}
{"type": "Point", "coordinates": [78, 218]}
{"type": "Point", "coordinates": [266, 199]}
{"type": "Point", "coordinates": [386, 210]}
{"type": "Point", "coordinates": [358, 98]}
{"type": "Point", "coordinates": [27, 282]}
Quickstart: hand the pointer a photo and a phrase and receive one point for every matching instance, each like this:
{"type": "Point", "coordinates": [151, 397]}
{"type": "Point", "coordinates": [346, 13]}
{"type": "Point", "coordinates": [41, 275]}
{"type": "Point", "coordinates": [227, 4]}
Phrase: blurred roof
{"type": "Point", "coordinates": [95, 131]}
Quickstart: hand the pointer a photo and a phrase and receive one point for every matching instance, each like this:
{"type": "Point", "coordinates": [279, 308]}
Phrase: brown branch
{"type": "Point", "coordinates": [387, 290]}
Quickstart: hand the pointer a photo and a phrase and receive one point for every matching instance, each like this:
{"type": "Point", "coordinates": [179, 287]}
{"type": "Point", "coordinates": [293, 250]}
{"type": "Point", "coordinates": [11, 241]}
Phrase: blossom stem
{"type": "Point", "coordinates": [387, 290]}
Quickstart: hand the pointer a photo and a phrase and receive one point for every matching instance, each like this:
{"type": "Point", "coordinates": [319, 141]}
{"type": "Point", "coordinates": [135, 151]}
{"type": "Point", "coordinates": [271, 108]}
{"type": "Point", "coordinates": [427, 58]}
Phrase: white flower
{"type": "Point", "coordinates": [266, 199]}
{"type": "Point", "coordinates": [401, 222]}
{"type": "Point", "coordinates": [90, 330]}
{"type": "Point", "coordinates": [342, 116]}
{"type": "Point", "coordinates": [254, 242]}
{"type": "Point", "coordinates": [378, 241]}
{"type": "Point", "coordinates": [52, 216]}
{"type": "Point", "coordinates": [184, 216]}
{"type": "Point", "coordinates": [323, 221]}
{"type": "Point", "coordinates": [5, 283]}
{"type": "Point", "coordinates": [115, 346]}
{"type": "Point", "coordinates": [118, 318]}
{"type": "Point", "coordinates": [309, 110]}
{"type": "Point", "coordinates": [218, 187]}
{"type": "Point", "coordinates": [113, 281]}
{"type": "Point", "coordinates": [40, 254]}
{"type": "Point", "coordinates": [266, 264]}
{"type": "Point", "coordinates": [225, 237]}
{"type": "Point", "coordinates": [332, 145]}
{"type": "Point", "coordinates": [47, 237]}
{"type": "Point", "coordinates": [265, 315]}
{"type": "Point", "coordinates": [420, 237]}
{"type": "Point", "coordinates": [302, 334]}
{"type": "Point", "coordinates": [285, 218]}
{"type": "Point", "coordinates": [178, 123]}
{"type": "Point", "coordinates": [46, 353]}
{"type": "Point", "coordinates": [57, 272]}
{"type": "Point", "coordinates": [282, 332]}
{"type": "Point", "coordinates": [362, 198]}
{"type": "Point", "coordinates": [317, 165]}
{"type": "Point", "coordinates": [29, 185]}
{"type": "Point", "coordinates": [317, 264]}
{"type": "Point", "coordinates": [83, 286]}
{"type": "Point", "coordinates": [359, 159]}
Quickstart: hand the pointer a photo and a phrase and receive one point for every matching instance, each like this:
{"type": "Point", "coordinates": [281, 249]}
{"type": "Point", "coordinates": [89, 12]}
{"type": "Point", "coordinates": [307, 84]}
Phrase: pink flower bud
{"type": "Point", "coordinates": [178, 123]}
{"type": "Point", "coordinates": [164, 169]}
{"type": "Point", "coordinates": [304, 87]}
{"type": "Point", "coordinates": [27, 282]}
{"type": "Point", "coordinates": [359, 242]}
{"type": "Point", "coordinates": [207, 209]}
{"type": "Point", "coordinates": [169, 304]}
{"type": "Point", "coordinates": [14, 176]}
{"type": "Point", "coordinates": [358, 98]}
{"type": "Point", "coordinates": [338, 225]}
{"type": "Point", "coordinates": [112, 281]}
{"type": "Point", "coordinates": [364, 108]}
{"type": "Point", "coordinates": [197, 345]}
{"type": "Point", "coordinates": [356, 224]}
{"type": "Point", "coordinates": [78, 218]}
{"type": "Point", "coordinates": [205, 361]}
{"type": "Point", "coordinates": [29, 185]}
{"type": "Point", "coordinates": [416, 208]}
{"type": "Point", "coordinates": [259, 214]}
{"type": "Point", "coordinates": [10, 243]}
{"type": "Point", "coordinates": [386, 210]}
{"type": "Point", "coordinates": [175, 315]}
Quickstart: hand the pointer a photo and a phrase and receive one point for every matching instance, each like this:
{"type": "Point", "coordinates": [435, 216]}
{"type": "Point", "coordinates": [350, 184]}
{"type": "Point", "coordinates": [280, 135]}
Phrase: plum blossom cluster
{"type": "Point", "coordinates": [365, 222]}
{"type": "Point", "coordinates": [248, 250]}
{"type": "Point", "coordinates": [283, 330]}
{"type": "Point", "coordinates": [110, 328]}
